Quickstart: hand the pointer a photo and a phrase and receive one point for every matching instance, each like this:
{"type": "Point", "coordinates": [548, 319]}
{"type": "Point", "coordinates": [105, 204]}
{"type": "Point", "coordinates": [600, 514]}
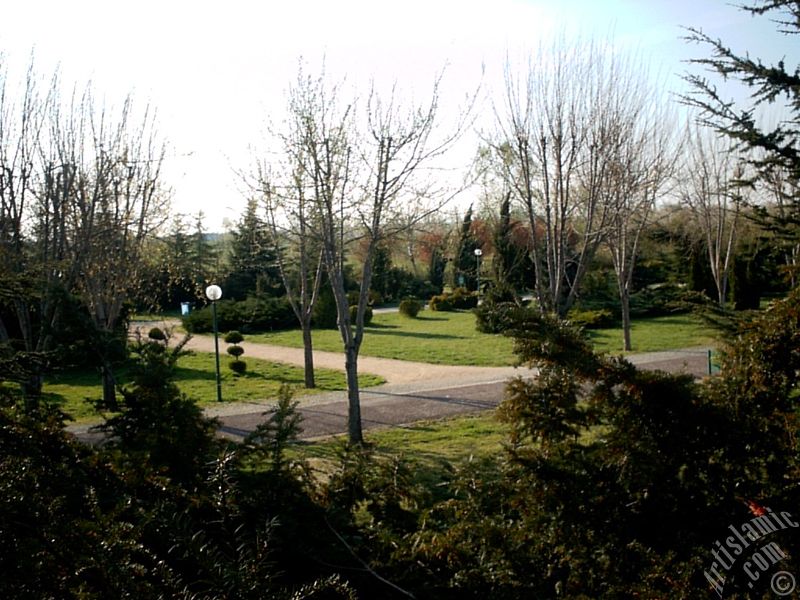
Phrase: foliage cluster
{"type": "Point", "coordinates": [390, 282]}
{"type": "Point", "coordinates": [614, 482]}
{"type": "Point", "coordinates": [251, 315]}
{"type": "Point", "coordinates": [592, 319]}
{"type": "Point", "coordinates": [494, 315]}
{"type": "Point", "coordinates": [410, 307]}
{"type": "Point", "coordinates": [458, 299]}
{"type": "Point", "coordinates": [665, 299]}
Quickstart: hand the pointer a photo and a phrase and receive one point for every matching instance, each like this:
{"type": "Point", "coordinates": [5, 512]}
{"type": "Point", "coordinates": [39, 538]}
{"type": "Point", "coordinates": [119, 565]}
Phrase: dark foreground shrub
{"type": "Point", "coordinates": [495, 317]}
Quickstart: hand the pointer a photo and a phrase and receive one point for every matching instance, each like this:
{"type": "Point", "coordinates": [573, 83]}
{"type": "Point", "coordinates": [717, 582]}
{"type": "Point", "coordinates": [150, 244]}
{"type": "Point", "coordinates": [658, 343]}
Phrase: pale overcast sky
{"type": "Point", "coordinates": [215, 70]}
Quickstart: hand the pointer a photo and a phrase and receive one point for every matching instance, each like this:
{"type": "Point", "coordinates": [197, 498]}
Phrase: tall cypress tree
{"type": "Point", "coordinates": [466, 263]}
{"type": "Point", "coordinates": [510, 260]}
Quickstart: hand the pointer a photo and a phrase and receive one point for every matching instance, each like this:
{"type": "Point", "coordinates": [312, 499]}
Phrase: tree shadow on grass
{"type": "Point", "coordinates": [381, 326]}
{"type": "Point", "coordinates": [424, 336]}
{"type": "Point", "coordinates": [189, 374]}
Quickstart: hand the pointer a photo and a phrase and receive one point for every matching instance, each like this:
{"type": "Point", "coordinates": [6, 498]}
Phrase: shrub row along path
{"type": "Point", "coordinates": [413, 391]}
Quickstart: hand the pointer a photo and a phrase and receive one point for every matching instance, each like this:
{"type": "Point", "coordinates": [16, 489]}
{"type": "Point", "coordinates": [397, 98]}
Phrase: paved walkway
{"type": "Point", "coordinates": [413, 391]}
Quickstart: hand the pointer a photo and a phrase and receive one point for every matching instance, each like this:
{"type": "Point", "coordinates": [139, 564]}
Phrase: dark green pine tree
{"type": "Point", "coordinates": [179, 265]}
{"type": "Point", "coordinates": [205, 256]}
{"type": "Point", "coordinates": [381, 267]}
{"type": "Point", "coordinates": [253, 266]}
{"type": "Point", "coordinates": [466, 263]}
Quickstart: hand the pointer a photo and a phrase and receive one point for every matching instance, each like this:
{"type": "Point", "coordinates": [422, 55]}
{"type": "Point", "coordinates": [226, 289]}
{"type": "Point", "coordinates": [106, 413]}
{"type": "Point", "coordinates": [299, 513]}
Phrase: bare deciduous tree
{"type": "Point", "coordinates": [117, 203]}
{"type": "Point", "coordinates": [552, 163]}
{"type": "Point", "coordinates": [710, 188]}
{"type": "Point", "coordinates": [636, 184]}
{"type": "Point", "coordinates": [79, 193]}
{"type": "Point", "coordinates": [364, 182]}
{"type": "Point", "coordinates": [299, 260]}
{"type": "Point", "coordinates": [31, 277]}
{"type": "Point", "coordinates": [584, 142]}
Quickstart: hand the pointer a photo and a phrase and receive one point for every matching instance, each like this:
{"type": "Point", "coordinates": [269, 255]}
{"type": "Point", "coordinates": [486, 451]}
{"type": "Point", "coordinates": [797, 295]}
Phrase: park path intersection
{"type": "Point", "coordinates": [413, 391]}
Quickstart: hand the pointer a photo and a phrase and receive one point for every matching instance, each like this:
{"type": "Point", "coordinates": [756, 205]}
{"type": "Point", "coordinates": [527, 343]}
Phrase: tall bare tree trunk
{"type": "Point", "coordinates": [355, 433]}
{"type": "Point", "coordinates": [625, 306]}
{"type": "Point", "coordinates": [109, 386]}
{"type": "Point", "coordinates": [308, 355]}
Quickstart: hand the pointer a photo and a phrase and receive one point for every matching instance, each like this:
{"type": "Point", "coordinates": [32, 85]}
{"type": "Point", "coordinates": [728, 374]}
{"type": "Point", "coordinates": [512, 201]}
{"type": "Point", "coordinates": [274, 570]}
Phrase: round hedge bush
{"type": "Point", "coordinates": [238, 366]}
{"type": "Point", "coordinates": [235, 351]}
{"type": "Point", "coordinates": [367, 315]}
{"type": "Point", "coordinates": [410, 307]}
{"type": "Point", "coordinates": [233, 337]}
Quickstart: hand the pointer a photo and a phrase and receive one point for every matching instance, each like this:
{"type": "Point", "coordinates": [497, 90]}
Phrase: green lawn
{"type": "Point", "coordinates": [434, 337]}
{"type": "Point", "coordinates": [447, 338]}
{"type": "Point", "coordinates": [430, 448]}
{"type": "Point", "coordinates": [448, 439]}
{"type": "Point", "coordinates": [195, 376]}
{"type": "Point", "coordinates": [450, 338]}
{"type": "Point", "coordinates": [657, 333]}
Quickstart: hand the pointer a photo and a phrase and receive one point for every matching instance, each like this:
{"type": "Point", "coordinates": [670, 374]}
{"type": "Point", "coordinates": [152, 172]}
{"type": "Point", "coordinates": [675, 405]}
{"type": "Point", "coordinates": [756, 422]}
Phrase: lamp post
{"type": "Point", "coordinates": [478, 253]}
{"type": "Point", "coordinates": [214, 293]}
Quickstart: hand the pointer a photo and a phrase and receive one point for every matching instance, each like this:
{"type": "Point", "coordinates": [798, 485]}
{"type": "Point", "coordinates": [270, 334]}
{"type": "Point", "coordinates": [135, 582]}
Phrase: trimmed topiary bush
{"type": "Point", "coordinates": [463, 299]}
{"type": "Point", "coordinates": [410, 307]}
{"type": "Point", "coordinates": [238, 366]}
{"type": "Point", "coordinates": [235, 338]}
{"type": "Point", "coordinates": [495, 317]}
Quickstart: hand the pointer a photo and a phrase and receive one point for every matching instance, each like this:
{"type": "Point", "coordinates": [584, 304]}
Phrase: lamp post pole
{"type": "Point", "coordinates": [214, 293]}
{"type": "Point", "coordinates": [478, 253]}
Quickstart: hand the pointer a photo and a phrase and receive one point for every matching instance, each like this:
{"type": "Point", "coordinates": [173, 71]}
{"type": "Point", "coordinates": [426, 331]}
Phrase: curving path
{"type": "Point", "coordinates": [393, 371]}
{"type": "Point", "coordinates": [413, 391]}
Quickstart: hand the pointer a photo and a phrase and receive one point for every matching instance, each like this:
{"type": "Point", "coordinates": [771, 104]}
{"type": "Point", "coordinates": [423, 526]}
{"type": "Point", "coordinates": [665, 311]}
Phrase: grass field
{"type": "Point", "coordinates": [430, 448]}
{"type": "Point", "coordinates": [447, 338]}
{"type": "Point", "coordinates": [195, 376]}
{"type": "Point", "coordinates": [434, 337]}
{"type": "Point", "coordinates": [657, 333]}
{"type": "Point", "coordinates": [450, 338]}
